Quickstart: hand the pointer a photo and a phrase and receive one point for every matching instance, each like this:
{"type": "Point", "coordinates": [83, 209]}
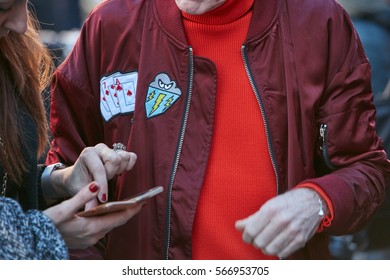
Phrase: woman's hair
{"type": "Point", "coordinates": [25, 71]}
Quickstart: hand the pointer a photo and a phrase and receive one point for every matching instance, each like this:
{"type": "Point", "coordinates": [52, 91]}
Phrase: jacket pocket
{"type": "Point", "coordinates": [323, 146]}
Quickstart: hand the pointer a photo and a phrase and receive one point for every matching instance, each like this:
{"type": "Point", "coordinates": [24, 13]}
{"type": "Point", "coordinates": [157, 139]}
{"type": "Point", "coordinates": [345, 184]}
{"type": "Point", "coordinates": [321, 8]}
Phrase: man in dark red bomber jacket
{"type": "Point", "coordinates": [255, 116]}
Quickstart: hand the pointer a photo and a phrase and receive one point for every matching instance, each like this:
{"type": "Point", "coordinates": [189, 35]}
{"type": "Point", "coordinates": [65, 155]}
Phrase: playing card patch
{"type": "Point", "coordinates": [162, 94]}
{"type": "Point", "coordinates": [117, 94]}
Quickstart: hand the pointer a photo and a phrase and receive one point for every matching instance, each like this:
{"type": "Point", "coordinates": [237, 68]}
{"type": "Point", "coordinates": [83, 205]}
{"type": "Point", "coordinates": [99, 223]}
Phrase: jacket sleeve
{"type": "Point", "coordinates": [28, 235]}
{"type": "Point", "coordinates": [357, 169]}
{"type": "Point", "coordinates": [75, 120]}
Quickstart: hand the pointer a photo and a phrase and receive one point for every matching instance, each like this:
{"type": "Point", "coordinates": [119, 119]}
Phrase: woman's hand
{"type": "Point", "coordinates": [79, 232]}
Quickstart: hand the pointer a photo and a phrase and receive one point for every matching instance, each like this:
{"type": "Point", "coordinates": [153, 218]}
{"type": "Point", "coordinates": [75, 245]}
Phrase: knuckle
{"type": "Point", "coordinates": [101, 146]}
{"type": "Point", "coordinates": [294, 228]}
{"type": "Point", "coordinates": [300, 239]}
{"type": "Point", "coordinates": [116, 159]}
{"type": "Point", "coordinates": [271, 250]}
{"type": "Point", "coordinates": [250, 232]}
{"type": "Point", "coordinates": [86, 152]}
{"type": "Point", "coordinates": [259, 243]}
{"type": "Point", "coordinates": [285, 221]}
{"type": "Point", "coordinates": [125, 156]}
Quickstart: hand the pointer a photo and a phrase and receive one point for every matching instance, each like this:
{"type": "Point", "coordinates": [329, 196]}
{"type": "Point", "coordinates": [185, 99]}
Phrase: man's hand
{"type": "Point", "coordinates": [99, 163]}
{"type": "Point", "coordinates": [283, 224]}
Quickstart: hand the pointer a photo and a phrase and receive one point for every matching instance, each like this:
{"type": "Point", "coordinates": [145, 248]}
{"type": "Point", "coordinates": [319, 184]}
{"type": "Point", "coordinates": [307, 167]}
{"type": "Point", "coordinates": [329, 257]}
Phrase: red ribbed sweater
{"type": "Point", "coordinates": [239, 176]}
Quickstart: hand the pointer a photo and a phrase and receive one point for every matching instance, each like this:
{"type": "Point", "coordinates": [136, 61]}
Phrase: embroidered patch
{"type": "Point", "coordinates": [162, 94]}
{"type": "Point", "coordinates": [117, 94]}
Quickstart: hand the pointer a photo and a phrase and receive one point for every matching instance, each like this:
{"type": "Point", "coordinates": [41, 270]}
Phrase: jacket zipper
{"type": "Point", "coordinates": [260, 102]}
{"type": "Point", "coordinates": [324, 146]}
{"type": "Point", "coordinates": [177, 154]}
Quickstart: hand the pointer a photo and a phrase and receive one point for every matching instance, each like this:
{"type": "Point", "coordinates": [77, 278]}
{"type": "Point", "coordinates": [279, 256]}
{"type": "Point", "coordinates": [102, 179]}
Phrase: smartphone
{"type": "Point", "coordinates": [114, 206]}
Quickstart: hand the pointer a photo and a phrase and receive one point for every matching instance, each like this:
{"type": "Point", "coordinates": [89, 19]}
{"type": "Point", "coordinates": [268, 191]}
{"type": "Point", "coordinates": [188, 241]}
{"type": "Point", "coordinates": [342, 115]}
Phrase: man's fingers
{"type": "Point", "coordinates": [115, 161]}
{"type": "Point", "coordinates": [92, 166]}
{"type": "Point", "coordinates": [253, 225]}
{"type": "Point", "coordinates": [131, 162]}
{"type": "Point", "coordinates": [241, 226]}
{"type": "Point", "coordinates": [103, 163]}
{"type": "Point", "coordinates": [127, 162]}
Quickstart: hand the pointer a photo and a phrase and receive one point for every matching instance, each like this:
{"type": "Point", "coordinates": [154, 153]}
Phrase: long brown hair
{"type": "Point", "coordinates": [25, 70]}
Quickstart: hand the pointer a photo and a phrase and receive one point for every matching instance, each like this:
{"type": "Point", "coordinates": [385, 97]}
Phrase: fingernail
{"type": "Point", "coordinates": [104, 197]}
{"type": "Point", "coordinates": [93, 188]}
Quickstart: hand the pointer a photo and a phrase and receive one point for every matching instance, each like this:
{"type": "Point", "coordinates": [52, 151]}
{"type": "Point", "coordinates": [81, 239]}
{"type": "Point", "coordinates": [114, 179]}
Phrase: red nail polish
{"type": "Point", "coordinates": [93, 188]}
{"type": "Point", "coordinates": [104, 197]}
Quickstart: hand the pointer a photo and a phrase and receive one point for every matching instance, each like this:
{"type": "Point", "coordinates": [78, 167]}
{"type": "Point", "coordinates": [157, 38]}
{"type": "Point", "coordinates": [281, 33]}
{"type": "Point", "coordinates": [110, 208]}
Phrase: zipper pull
{"type": "Point", "coordinates": [322, 135]}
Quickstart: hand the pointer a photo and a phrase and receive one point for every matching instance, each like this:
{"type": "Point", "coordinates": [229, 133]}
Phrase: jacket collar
{"type": "Point", "coordinates": [170, 18]}
{"type": "Point", "coordinates": [264, 14]}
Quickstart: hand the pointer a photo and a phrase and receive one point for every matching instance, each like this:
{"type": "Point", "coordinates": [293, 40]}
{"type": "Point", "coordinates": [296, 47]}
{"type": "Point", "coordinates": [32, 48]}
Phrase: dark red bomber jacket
{"type": "Point", "coordinates": [312, 82]}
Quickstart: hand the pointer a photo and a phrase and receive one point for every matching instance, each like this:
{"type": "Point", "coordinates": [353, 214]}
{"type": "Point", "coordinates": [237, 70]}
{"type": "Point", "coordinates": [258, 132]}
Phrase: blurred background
{"type": "Point", "coordinates": [61, 21]}
{"type": "Point", "coordinates": [371, 19]}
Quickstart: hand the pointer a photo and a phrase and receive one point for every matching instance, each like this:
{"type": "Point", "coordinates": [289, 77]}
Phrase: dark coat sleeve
{"type": "Point", "coordinates": [28, 235]}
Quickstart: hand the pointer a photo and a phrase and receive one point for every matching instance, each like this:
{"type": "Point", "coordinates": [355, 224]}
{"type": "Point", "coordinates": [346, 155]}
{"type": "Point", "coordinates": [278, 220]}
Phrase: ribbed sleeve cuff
{"type": "Point", "coordinates": [327, 220]}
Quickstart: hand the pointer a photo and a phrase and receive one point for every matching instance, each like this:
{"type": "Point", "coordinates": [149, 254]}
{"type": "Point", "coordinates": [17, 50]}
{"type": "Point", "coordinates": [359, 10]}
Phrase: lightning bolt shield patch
{"type": "Point", "coordinates": [162, 94]}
